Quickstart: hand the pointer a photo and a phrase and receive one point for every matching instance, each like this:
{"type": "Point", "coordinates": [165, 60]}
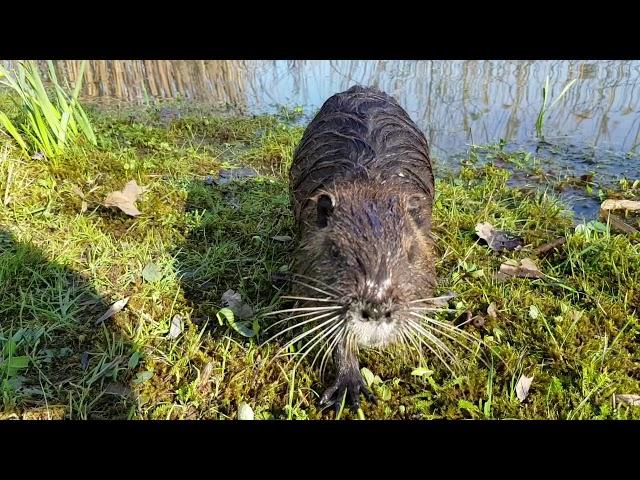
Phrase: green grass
{"type": "Point", "coordinates": [46, 126]}
{"type": "Point", "coordinates": [61, 267]}
{"type": "Point", "coordinates": [544, 109]}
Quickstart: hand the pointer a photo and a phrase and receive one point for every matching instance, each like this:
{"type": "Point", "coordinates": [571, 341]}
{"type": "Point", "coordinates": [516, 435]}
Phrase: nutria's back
{"type": "Point", "coordinates": [360, 133]}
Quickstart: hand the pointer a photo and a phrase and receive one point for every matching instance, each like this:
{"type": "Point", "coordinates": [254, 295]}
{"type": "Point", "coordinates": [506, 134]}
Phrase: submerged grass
{"type": "Point", "coordinates": [64, 259]}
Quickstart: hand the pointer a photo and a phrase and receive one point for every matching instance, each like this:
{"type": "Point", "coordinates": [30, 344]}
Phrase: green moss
{"type": "Point", "coordinates": [62, 266]}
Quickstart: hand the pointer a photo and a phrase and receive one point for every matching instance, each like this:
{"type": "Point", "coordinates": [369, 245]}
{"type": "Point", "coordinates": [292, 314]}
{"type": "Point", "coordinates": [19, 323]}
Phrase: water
{"type": "Point", "coordinates": [595, 127]}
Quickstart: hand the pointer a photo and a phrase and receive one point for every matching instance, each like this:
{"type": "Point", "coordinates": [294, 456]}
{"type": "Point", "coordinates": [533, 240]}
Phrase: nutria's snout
{"type": "Point", "coordinates": [372, 312]}
{"type": "Point", "coordinates": [374, 324]}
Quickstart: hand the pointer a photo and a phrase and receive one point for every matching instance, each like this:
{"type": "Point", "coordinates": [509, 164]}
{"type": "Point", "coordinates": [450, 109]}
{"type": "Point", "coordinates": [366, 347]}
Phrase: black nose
{"type": "Point", "coordinates": [375, 313]}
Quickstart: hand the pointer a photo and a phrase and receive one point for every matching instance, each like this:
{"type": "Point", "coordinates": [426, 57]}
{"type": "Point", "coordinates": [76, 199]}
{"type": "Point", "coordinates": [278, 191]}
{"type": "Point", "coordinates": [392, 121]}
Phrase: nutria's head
{"type": "Point", "coordinates": [367, 249]}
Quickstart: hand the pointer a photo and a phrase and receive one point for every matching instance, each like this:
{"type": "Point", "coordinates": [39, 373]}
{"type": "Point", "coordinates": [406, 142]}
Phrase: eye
{"type": "Point", "coordinates": [334, 252]}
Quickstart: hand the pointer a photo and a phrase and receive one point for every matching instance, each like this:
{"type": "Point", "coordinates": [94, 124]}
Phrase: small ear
{"type": "Point", "coordinates": [418, 206]}
{"type": "Point", "coordinates": [325, 203]}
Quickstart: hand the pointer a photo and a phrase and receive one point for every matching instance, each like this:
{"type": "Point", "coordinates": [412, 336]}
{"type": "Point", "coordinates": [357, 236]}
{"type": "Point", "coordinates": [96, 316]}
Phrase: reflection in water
{"type": "Point", "coordinates": [456, 103]}
{"type": "Point", "coordinates": [203, 81]}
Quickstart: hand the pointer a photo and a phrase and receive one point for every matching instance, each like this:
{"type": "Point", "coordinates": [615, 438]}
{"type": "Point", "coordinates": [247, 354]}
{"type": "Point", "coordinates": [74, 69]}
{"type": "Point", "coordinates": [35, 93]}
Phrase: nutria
{"type": "Point", "coordinates": [362, 191]}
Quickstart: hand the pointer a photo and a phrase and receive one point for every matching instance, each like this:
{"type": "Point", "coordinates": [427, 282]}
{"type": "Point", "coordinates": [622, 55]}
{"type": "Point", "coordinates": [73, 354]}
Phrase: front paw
{"type": "Point", "coordinates": [353, 385]}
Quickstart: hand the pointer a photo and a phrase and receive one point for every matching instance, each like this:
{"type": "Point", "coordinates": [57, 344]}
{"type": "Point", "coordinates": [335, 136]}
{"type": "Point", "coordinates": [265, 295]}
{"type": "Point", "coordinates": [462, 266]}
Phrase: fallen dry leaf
{"type": "Point", "coordinates": [612, 204]}
{"type": "Point", "coordinates": [534, 312]}
{"type": "Point", "coordinates": [245, 412]}
{"type": "Point", "coordinates": [206, 374]}
{"type": "Point", "coordinates": [75, 189]}
{"type": "Point", "coordinates": [498, 239]}
{"type": "Point", "coordinates": [629, 399]}
{"type": "Point", "coordinates": [84, 360]}
{"type": "Point", "coordinates": [117, 389]}
{"type": "Point", "coordinates": [151, 272]}
{"type": "Point", "coordinates": [113, 309]}
{"type": "Point", "coordinates": [176, 327]}
{"type": "Point", "coordinates": [617, 224]}
{"type": "Point", "coordinates": [526, 269]}
{"type": "Point", "coordinates": [126, 199]}
{"type": "Point", "coordinates": [522, 387]}
{"type": "Point", "coordinates": [226, 176]}
{"type": "Point", "coordinates": [234, 302]}
{"type": "Point", "coordinates": [492, 311]}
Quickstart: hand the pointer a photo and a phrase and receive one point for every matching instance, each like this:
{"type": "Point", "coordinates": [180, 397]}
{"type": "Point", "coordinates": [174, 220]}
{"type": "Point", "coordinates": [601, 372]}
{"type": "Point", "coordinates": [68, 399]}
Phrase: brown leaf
{"type": "Point", "coordinates": [492, 311]}
{"type": "Point", "coordinates": [113, 309]}
{"type": "Point", "coordinates": [629, 399]}
{"type": "Point", "coordinates": [75, 189]}
{"type": "Point", "coordinates": [612, 204]}
{"type": "Point", "coordinates": [234, 302]}
{"type": "Point", "coordinates": [206, 374]}
{"type": "Point", "coordinates": [548, 247]}
{"type": "Point", "coordinates": [497, 239]}
{"type": "Point", "coordinates": [616, 223]}
{"type": "Point", "coordinates": [117, 389]}
{"type": "Point", "coordinates": [177, 326]}
{"type": "Point", "coordinates": [526, 269]}
{"type": "Point", "coordinates": [522, 387]}
{"type": "Point", "coordinates": [126, 199]}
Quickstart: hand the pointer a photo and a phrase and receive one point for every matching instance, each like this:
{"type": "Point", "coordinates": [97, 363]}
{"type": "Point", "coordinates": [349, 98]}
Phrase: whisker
{"type": "Point", "coordinates": [323, 336]}
{"type": "Point", "coordinates": [303, 309]}
{"type": "Point", "coordinates": [327, 343]}
{"type": "Point", "coordinates": [306, 277]}
{"type": "Point", "coordinates": [405, 338]}
{"type": "Point", "coordinates": [314, 288]}
{"type": "Point", "coordinates": [448, 327]}
{"type": "Point", "coordinates": [327, 354]}
{"type": "Point", "coordinates": [327, 300]}
{"type": "Point", "coordinates": [299, 324]}
{"type": "Point", "coordinates": [418, 337]}
{"type": "Point", "coordinates": [434, 309]}
{"type": "Point", "coordinates": [454, 339]}
{"type": "Point", "coordinates": [304, 334]}
{"type": "Point", "coordinates": [433, 299]}
{"type": "Point", "coordinates": [462, 333]}
{"type": "Point", "coordinates": [352, 344]}
{"type": "Point", "coordinates": [291, 318]}
{"type": "Point", "coordinates": [411, 338]}
{"type": "Point", "coordinates": [436, 341]}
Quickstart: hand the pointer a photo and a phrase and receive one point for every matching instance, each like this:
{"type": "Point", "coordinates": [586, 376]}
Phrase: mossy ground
{"type": "Point", "coordinates": [575, 331]}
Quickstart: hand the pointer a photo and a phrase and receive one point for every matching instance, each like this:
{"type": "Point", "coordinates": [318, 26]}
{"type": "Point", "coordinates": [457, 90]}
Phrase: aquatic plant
{"type": "Point", "coordinates": [46, 125]}
{"type": "Point", "coordinates": [544, 109]}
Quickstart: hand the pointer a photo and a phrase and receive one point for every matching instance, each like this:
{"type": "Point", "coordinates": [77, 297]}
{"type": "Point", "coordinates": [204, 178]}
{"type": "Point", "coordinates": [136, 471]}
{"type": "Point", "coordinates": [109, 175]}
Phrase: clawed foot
{"type": "Point", "coordinates": [353, 385]}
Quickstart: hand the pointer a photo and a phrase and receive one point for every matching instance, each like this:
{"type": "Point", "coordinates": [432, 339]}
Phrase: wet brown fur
{"type": "Point", "coordinates": [362, 189]}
